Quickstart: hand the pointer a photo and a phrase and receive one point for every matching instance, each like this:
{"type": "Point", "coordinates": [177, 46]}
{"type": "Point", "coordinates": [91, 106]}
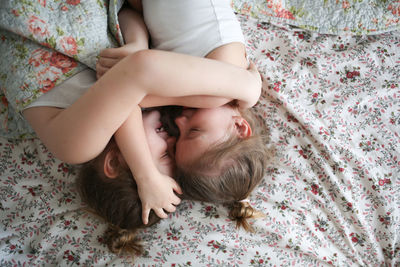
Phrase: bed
{"type": "Point", "coordinates": [331, 195]}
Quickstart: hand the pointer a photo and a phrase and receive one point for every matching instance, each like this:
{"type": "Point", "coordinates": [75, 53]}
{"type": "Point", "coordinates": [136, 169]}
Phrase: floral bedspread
{"type": "Point", "coordinates": [331, 196]}
{"type": "Point", "coordinates": [42, 44]}
{"type": "Point", "coordinates": [356, 17]}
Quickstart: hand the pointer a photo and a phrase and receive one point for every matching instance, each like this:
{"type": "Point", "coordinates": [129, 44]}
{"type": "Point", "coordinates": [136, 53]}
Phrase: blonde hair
{"type": "Point", "coordinates": [228, 172]}
{"type": "Point", "coordinates": [116, 200]}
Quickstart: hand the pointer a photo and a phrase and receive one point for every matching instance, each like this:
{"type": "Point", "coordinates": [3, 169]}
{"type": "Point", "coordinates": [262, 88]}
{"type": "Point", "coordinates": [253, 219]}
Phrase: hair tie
{"type": "Point", "coordinates": [246, 200]}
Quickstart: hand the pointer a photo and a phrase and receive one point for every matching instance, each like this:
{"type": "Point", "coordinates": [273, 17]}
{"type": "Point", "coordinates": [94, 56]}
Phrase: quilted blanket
{"type": "Point", "coordinates": [43, 43]}
{"type": "Point", "coordinates": [331, 195]}
{"type": "Point", "coordinates": [355, 17]}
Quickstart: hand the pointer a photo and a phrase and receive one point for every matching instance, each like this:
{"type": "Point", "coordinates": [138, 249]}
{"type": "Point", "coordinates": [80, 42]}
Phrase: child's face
{"type": "Point", "coordinates": [201, 128]}
{"type": "Point", "coordinates": [159, 142]}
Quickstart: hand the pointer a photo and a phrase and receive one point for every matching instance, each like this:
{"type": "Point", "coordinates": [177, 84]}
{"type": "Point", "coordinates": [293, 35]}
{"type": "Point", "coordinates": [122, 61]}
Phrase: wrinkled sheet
{"type": "Point", "coordinates": [331, 195]}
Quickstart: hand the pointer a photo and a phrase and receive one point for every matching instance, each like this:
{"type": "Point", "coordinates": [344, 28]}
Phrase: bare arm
{"type": "Point", "coordinates": [181, 75]}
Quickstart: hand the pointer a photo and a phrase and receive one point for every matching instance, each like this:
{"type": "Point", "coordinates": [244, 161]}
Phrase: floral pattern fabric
{"type": "Point", "coordinates": [331, 195]}
{"type": "Point", "coordinates": [43, 43]}
{"type": "Point", "coordinates": [329, 16]}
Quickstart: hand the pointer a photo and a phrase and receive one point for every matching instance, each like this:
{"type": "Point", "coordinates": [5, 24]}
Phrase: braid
{"type": "Point", "coordinates": [241, 211]}
{"type": "Point", "coordinates": [121, 241]}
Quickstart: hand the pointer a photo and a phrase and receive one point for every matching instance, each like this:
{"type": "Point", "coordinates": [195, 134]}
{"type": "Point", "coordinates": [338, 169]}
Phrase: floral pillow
{"type": "Point", "coordinates": [356, 17]}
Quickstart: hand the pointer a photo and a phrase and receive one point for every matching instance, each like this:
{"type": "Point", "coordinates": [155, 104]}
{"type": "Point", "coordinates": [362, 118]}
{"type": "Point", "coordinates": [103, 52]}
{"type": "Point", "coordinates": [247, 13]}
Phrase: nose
{"type": "Point", "coordinates": [181, 121]}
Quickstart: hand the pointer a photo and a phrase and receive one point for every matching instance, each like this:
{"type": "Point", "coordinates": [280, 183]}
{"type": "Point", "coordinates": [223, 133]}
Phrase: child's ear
{"type": "Point", "coordinates": [242, 127]}
{"type": "Point", "coordinates": [111, 164]}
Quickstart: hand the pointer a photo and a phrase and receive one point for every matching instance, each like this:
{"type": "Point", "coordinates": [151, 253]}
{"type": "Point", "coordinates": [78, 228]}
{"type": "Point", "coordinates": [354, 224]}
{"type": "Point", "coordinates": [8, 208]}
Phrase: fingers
{"type": "Point", "coordinates": [161, 213]}
{"type": "Point", "coordinates": [170, 208]}
{"type": "Point", "coordinates": [175, 202]}
{"type": "Point", "coordinates": [107, 61]}
{"type": "Point", "coordinates": [109, 52]}
{"type": "Point", "coordinates": [178, 189]}
{"type": "Point", "coordinates": [100, 70]}
{"type": "Point", "coordinates": [145, 215]}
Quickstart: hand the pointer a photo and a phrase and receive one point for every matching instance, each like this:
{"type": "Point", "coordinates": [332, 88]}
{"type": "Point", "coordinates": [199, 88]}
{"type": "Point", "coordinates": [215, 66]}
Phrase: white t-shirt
{"type": "Point", "coordinates": [193, 27]}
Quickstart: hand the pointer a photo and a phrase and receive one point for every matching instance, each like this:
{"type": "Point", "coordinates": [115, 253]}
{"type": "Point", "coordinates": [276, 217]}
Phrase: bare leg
{"type": "Point", "coordinates": [136, 38]}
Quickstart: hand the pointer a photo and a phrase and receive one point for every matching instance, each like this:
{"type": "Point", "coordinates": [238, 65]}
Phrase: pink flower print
{"type": "Point", "coordinates": [73, 2]}
{"type": "Point", "coordinates": [42, 3]}
{"type": "Point", "coordinates": [47, 85]}
{"type": "Point", "coordinates": [345, 4]}
{"type": "Point", "coordinates": [314, 189]}
{"type": "Point", "coordinates": [15, 12]}
{"type": "Point", "coordinates": [282, 13]}
{"type": "Point", "coordinates": [39, 57]}
{"type": "Point", "coordinates": [381, 182]}
{"type": "Point", "coordinates": [395, 10]}
{"type": "Point", "coordinates": [349, 75]}
{"type": "Point", "coordinates": [37, 26]}
{"type": "Point", "coordinates": [277, 86]}
{"type": "Point", "coordinates": [354, 239]}
{"type": "Point", "coordinates": [62, 62]}
{"type": "Point", "coordinates": [69, 45]}
{"type": "Point", "coordinates": [301, 152]}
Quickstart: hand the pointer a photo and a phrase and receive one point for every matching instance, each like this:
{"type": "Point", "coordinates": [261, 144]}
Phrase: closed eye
{"type": "Point", "coordinates": [193, 132]}
{"type": "Point", "coordinates": [160, 129]}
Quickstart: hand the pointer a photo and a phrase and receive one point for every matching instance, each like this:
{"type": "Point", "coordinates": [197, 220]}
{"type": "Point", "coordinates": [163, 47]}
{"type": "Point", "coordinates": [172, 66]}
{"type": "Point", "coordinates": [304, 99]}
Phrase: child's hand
{"type": "Point", "coordinates": [111, 56]}
{"type": "Point", "coordinates": [157, 193]}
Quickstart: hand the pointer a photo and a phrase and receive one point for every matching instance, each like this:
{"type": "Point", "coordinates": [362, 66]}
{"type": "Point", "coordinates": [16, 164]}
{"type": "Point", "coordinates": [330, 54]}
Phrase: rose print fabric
{"type": "Point", "coordinates": [43, 43]}
{"type": "Point", "coordinates": [331, 195]}
{"type": "Point", "coordinates": [355, 17]}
